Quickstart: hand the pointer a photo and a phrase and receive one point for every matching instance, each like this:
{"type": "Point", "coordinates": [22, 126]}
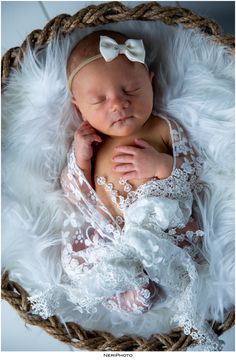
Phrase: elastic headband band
{"type": "Point", "coordinates": [79, 67]}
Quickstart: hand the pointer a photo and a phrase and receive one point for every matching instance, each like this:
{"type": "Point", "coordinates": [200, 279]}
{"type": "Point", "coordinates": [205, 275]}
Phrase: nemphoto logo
{"type": "Point", "coordinates": [117, 355]}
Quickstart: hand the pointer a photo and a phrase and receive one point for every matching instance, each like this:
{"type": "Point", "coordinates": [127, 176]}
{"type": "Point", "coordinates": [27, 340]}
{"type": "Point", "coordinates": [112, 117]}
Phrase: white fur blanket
{"type": "Point", "coordinates": [194, 84]}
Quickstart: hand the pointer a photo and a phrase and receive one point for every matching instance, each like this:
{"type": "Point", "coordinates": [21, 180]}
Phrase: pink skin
{"type": "Point", "coordinates": [130, 298]}
{"type": "Point", "coordinates": [84, 137]}
{"type": "Point", "coordinates": [144, 159]}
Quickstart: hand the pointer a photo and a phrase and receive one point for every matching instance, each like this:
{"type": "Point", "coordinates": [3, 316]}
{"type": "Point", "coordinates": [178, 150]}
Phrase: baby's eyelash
{"type": "Point", "coordinates": [97, 102]}
{"type": "Point", "coordinates": [131, 91]}
{"type": "Point", "coordinates": [128, 92]}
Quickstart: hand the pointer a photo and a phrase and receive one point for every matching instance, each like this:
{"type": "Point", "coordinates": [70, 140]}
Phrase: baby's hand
{"type": "Point", "coordinates": [84, 136]}
{"type": "Point", "coordinates": [142, 162]}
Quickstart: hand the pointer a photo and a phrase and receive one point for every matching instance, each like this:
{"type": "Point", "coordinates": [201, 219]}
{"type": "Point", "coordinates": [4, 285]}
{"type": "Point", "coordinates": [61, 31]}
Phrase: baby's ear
{"type": "Point", "coordinates": [74, 102]}
{"type": "Point", "coordinates": [151, 76]}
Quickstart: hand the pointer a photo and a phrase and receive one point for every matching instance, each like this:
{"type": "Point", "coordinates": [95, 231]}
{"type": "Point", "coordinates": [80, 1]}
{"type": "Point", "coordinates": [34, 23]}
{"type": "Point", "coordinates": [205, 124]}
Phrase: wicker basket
{"type": "Point", "coordinates": [12, 292]}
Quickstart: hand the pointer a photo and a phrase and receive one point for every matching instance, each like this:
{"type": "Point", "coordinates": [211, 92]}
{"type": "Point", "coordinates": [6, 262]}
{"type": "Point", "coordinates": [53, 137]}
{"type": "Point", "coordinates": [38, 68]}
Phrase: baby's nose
{"type": "Point", "coordinates": [119, 103]}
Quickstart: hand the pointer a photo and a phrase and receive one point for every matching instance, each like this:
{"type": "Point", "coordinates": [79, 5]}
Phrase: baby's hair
{"type": "Point", "coordinates": [89, 46]}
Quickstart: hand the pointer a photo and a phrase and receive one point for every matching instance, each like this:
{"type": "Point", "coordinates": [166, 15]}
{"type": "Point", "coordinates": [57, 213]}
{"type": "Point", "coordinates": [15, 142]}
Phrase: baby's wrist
{"type": "Point", "coordinates": [165, 166]}
{"type": "Point", "coordinates": [84, 165]}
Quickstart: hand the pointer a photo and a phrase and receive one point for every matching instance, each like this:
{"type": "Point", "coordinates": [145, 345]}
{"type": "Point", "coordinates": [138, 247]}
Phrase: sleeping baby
{"type": "Point", "coordinates": [132, 176]}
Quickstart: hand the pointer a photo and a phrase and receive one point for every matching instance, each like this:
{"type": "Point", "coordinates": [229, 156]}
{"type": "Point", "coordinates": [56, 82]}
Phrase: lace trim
{"type": "Point", "coordinates": [204, 335]}
{"type": "Point", "coordinates": [45, 303]}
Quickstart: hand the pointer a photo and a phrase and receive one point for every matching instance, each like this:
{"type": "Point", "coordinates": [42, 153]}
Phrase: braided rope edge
{"type": "Point", "coordinates": [74, 335]}
{"type": "Point", "coordinates": [111, 12]}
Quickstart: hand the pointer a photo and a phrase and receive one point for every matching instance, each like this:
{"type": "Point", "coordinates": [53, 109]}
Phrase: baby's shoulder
{"type": "Point", "coordinates": [160, 127]}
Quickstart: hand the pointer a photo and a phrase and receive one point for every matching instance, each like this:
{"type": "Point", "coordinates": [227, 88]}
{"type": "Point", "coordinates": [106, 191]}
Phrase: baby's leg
{"type": "Point", "coordinates": [137, 301]}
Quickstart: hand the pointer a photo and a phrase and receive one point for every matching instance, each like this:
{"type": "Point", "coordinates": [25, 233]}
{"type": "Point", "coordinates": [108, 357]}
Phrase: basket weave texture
{"type": "Point", "coordinates": [12, 292]}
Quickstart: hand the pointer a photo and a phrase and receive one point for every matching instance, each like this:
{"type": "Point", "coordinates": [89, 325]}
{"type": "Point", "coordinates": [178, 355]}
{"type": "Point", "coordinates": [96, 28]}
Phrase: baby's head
{"type": "Point", "coordinates": [114, 96]}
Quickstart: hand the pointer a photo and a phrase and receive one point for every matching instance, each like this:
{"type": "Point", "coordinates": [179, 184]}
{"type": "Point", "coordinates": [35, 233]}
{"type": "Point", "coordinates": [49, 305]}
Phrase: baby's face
{"type": "Point", "coordinates": [115, 97]}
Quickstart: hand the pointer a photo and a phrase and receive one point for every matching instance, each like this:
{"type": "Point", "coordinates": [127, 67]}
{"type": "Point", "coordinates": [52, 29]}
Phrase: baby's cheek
{"type": "Point", "coordinates": [145, 104]}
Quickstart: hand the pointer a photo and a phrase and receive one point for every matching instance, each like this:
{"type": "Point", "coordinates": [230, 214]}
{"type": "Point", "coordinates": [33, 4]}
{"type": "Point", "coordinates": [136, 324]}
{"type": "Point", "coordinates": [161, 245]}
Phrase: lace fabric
{"type": "Point", "coordinates": [130, 269]}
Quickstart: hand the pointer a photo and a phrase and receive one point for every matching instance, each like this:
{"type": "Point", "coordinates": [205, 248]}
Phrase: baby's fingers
{"type": "Point", "coordinates": [144, 144]}
{"type": "Point", "coordinates": [84, 126]}
{"type": "Point", "coordinates": [126, 149]}
{"type": "Point", "coordinates": [92, 137]}
{"type": "Point", "coordinates": [130, 175]}
{"type": "Point", "coordinates": [123, 159]}
{"type": "Point", "coordinates": [85, 123]}
{"type": "Point", "coordinates": [123, 168]}
{"type": "Point", "coordinates": [86, 131]}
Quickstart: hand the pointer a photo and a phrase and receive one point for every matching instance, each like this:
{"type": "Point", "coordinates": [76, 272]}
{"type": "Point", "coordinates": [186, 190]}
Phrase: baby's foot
{"type": "Point", "coordinates": [137, 301]}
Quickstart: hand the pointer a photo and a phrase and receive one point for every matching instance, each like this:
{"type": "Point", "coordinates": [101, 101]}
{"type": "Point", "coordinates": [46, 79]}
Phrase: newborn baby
{"type": "Point", "coordinates": [115, 101]}
{"type": "Point", "coordinates": [120, 146]}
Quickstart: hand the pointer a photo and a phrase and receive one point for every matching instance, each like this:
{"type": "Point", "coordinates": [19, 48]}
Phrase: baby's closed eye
{"type": "Point", "coordinates": [132, 91]}
{"type": "Point", "coordinates": [98, 101]}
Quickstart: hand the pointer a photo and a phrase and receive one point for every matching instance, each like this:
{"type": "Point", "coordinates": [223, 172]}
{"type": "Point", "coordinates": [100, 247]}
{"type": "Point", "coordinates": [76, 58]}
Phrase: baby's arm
{"type": "Point", "coordinates": [83, 139]}
{"type": "Point", "coordinates": [81, 154]}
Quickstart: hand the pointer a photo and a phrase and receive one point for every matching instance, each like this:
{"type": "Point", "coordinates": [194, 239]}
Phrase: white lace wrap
{"type": "Point", "coordinates": [141, 266]}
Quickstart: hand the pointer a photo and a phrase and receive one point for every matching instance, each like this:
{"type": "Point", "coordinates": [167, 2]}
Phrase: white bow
{"type": "Point", "coordinates": [133, 49]}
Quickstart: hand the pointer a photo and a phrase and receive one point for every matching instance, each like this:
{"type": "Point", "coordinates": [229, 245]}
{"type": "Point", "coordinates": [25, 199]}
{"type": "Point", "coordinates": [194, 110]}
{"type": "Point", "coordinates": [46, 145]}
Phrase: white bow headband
{"type": "Point", "coordinates": [109, 49]}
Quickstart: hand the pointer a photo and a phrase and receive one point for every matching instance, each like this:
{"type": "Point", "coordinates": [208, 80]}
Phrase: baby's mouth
{"type": "Point", "coordinates": [122, 119]}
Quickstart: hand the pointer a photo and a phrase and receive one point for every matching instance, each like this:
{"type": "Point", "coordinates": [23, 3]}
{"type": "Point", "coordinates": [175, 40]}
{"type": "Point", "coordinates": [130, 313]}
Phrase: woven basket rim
{"type": "Point", "coordinates": [80, 338]}
{"type": "Point", "coordinates": [94, 15]}
{"type": "Point", "coordinates": [112, 12]}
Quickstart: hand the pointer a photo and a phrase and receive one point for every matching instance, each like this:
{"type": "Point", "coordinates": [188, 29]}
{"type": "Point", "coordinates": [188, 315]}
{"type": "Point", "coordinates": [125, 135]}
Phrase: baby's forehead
{"type": "Point", "coordinates": [95, 78]}
{"type": "Point", "coordinates": [119, 68]}
{"type": "Point", "coordinates": [89, 47]}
